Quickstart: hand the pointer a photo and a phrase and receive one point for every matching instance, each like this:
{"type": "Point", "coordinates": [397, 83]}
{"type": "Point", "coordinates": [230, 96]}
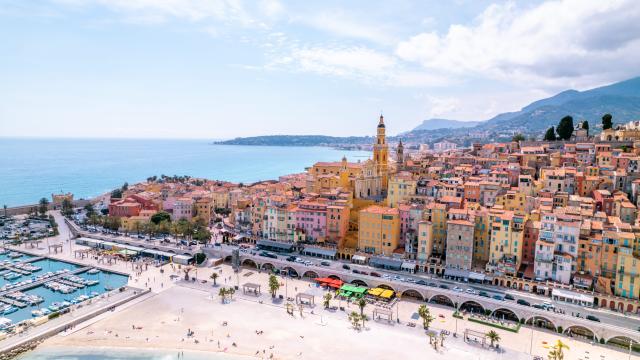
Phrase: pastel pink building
{"type": "Point", "coordinates": [311, 217]}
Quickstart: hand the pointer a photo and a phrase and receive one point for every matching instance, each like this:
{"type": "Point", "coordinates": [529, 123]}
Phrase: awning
{"type": "Point", "coordinates": [409, 265]}
{"type": "Point", "coordinates": [127, 252]}
{"type": "Point", "coordinates": [375, 291]}
{"type": "Point", "coordinates": [274, 245]}
{"type": "Point", "coordinates": [316, 251]}
{"type": "Point", "coordinates": [476, 276]}
{"type": "Point", "coordinates": [358, 258]}
{"type": "Point", "coordinates": [387, 294]}
{"type": "Point", "coordinates": [385, 263]}
{"type": "Point", "coordinates": [456, 273]}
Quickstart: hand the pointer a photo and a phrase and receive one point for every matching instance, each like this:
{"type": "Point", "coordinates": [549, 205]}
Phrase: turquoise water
{"type": "Point", "coordinates": [35, 168]}
{"type": "Point", "coordinates": [107, 279]}
{"type": "Point", "coordinates": [46, 265]}
{"type": "Point", "coordinates": [118, 354]}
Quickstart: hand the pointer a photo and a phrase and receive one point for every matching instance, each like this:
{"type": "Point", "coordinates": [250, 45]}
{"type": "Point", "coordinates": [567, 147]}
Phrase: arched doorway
{"type": "Point", "coordinates": [267, 267]}
{"type": "Point", "coordinates": [334, 277]}
{"type": "Point", "coordinates": [541, 322]}
{"type": "Point", "coordinates": [413, 294]}
{"type": "Point", "coordinates": [442, 300]}
{"type": "Point", "coordinates": [603, 303]}
{"type": "Point", "coordinates": [580, 331]}
{"type": "Point", "coordinates": [228, 259]}
{"type": "Point", "coordinates": [623, 342]}
{"type": "Point", "coordinates": [359, 283]}
{"type": "Point", "coordinates": [387, 287]}
{"type": "Point", "coordinates": [472, 307]}
{"type": "Point", "coordinates": [310, 274]}
{"type": "Point", "coordinates": [288, 270]}
{"type": "Point", "coordinates": [630, 308]}
{"type": "Point", "coordinates": [249, 263]}
{"type": "Point", "coordinates": [505, 314]}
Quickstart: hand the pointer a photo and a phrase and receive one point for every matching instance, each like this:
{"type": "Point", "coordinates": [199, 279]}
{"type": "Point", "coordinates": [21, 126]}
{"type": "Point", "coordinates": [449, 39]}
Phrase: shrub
{"type": "Point", "coordinates": [560, 330]}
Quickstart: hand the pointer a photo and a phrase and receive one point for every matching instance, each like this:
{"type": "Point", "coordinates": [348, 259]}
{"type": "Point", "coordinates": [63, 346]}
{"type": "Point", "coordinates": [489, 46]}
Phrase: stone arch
{"type": "Point", "coordinates": [171, 251]}
{"type": "Point", "coordinates": [310, 274]}
{"type": "Point", "coordinates": [620, 306]}
{"type": "Point", "coordinates": [334, 277]}
{"type": "Point", "coordinates": [630, 308]}
{"type": "Point", "coordinates": [471, 306]}
{"type": "Point", "coordinates": [359, 283]}
{"type": "Point", "coordinates": [267, 266]}
{"type": "Point", "coordinates": [249, 263]}
{"type": "Point", "coordinates": [496, 282]}
{"type": "Point", "coordinates": [411, 293]}
{"type": "Point", "coordinates": [442, 300]}
{"type": "Point", "coordinates": [508, 283]}
{"type": "Point", "coordinates": [505, 313]}
{"type": "Point", "coordinates": [612, 305]}
{"type": "Point", "coordinates": [387, 287]}
{"type": "Point", "coordinates": [622, 341]}
{"type": "Point", "coordinates": [603, 302]}
{"type": "Point", "coordinates": [580, 330]}
{"type": "Point", "coordinates": [187, 254]}
{"type": "Point", "coordinates": [228, 258]}
{"type": "Point", "coordinates": [288, 270]}
{"type": "Point", "coordinates": [541, 322]}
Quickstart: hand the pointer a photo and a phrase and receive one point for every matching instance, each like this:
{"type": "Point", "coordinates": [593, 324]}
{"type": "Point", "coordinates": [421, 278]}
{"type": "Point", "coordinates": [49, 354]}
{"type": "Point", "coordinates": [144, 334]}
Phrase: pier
{"type": "Point", "coordinates": [17, 303]}
{"type": "Point", "coordinates": [56, 277]}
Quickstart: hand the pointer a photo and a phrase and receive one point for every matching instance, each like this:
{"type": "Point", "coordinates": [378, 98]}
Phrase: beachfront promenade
{"type": "Point", "coordinates": [163, 320]}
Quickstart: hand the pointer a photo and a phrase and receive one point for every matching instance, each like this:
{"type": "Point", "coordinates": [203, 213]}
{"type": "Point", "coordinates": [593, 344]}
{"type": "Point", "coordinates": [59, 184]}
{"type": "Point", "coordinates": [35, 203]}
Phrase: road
{"type": "Point", "coordinates": [616, 319]}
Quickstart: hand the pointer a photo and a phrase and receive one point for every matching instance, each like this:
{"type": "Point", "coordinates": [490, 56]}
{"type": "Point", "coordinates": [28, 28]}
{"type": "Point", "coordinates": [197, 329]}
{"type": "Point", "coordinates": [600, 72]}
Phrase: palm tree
{"type": "Point", "coordinates": [5, 210]}
{"type": "Point", "coordinates": [557, 351]}
{"type": "Point", "coordinates": [43, 206]}
{"type": "Point", "coordinates": [274, 285]}
{"type": "Point", "coordinates": [214, 277]}
{"type": "Point", "coordinates": [223, 294]}
{"type": "Point", "coordinates": [363, 318]}
{"type": "Point", "coordinates": [361, 304]}
{"type": "Point", "coordinates": [327, 300]}
{"type": "Point", "coordinates": [231, 291]}
{"type": "Point", "coordinates": [354, 317]}
{"type": "Point", "coordinates": [425, 314]}
{"type": "Point", "coordinates": [493, 337]}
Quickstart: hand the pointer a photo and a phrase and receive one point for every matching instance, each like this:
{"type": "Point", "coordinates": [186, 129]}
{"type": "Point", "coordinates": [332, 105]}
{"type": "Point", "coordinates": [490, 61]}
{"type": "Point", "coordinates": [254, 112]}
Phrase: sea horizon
{"type": "Point", "coordinates": [87, 167]}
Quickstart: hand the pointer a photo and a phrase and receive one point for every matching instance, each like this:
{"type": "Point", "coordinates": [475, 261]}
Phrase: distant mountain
{"type": "Point", "coordinates": [621, 99]}
{"type": "Point", "coordinates": [435, 124]}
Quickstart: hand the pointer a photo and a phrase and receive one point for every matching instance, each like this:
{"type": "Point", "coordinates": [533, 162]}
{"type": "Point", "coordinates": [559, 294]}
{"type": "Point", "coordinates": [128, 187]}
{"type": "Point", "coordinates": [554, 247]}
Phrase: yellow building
{"type": "Point", "coordinates": [220, 198]}
{"type": "Point", "coordinates": [136, 223]}
{"type": "Point", "coordinates": [204, 208]}
{"type": "Point", "coordinates": [378, 229]}
{"type": "Point", "coordinates": [481, 237]}
{"type": "Point", "coordinates": [401, 187]}
{"type": "Point", "coordinates": [425, 240]}
{"type": "Point", "coordinates": [505, 244]}
{"type": "Point", "coordinates": [627, 283]}
{"type": "Point", "coordinates": [512, 201]}
{"type": "Point", "coordinates": [436, 213]}
{"type": "Point", "coordinates": [329, 176]}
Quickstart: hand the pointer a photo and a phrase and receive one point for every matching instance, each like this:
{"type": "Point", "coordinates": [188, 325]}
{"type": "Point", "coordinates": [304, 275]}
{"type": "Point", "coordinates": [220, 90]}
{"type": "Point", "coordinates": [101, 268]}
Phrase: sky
{"type": "Point", "coordinates": [219, 69]}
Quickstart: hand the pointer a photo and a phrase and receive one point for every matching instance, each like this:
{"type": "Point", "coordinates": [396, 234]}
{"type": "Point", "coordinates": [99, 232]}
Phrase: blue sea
{"type": "Point", "coordinates": [34, 168]}
{"type": "Point", "coordinates": [122, 354]}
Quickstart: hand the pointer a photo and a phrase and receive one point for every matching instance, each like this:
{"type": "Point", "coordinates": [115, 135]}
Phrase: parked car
{"type": "Point", "coordinates": [523, 302]}
{"type": "Point", "coordinates": [325, 263]}
{"type": "Point", "coordinates": [483, 294]}
{"type": "Point", "coordinates": [346, 267]}
{"type": "Point", "coordinates": [592, 318]}
{"type": "Point", "coordinates": [498, 297]}
{"type": "Point", "coordinates": [375, 274]}
{"type": "Point", "coordinates": [509, 297]}
{"type": "Point", "coordinates": [455, 288]}
{"type": "Point", "coordinates": [421, 282]}
{"type": "Point", "coordinates": [443, 286]}
{"type": "Point", "coordinates": [291, 258]}
{"type": "Point", "coordinates": [433, 285]}
{"type": "Point", "coordinates": [539, 306]}
{"type": "Point", "coordinates": [470, 291]}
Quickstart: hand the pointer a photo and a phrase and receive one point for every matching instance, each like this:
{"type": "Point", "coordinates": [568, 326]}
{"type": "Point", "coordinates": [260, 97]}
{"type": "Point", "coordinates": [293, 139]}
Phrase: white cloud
{"type": "Point", "coordinates": [579, 42]}
{"type": "Point", "coordinates": [339, 23]}
{"type": "Point", "coordinates": [342, 61]}
{"type": "Point", "coordinates": [441, 106]}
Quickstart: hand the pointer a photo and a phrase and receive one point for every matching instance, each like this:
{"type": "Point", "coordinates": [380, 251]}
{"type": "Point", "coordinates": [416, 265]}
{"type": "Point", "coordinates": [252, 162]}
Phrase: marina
{"type": "Point", "coordinates": [33, 286]}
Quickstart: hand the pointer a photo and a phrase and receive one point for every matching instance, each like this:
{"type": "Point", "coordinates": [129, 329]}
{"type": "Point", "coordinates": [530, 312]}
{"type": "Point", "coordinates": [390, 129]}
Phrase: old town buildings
{"type": "Point", "coordinates": [547, 212]}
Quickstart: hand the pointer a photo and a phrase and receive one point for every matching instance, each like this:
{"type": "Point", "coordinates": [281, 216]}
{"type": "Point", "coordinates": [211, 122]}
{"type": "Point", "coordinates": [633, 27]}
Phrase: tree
{"type": "Point", "coordinates": [361, 304]}
{"type": "Point", "coordinates": [354, 317]}
{"type": "Point", "coordinates": [67, 207]}
{"type": "Point", "coordinates": [518, 138]}
{"type": "Point", "coordinates": [274, 285]}
{"type": "Point", "coordinates": [223, 294]}
{"type": "Point", "coordinates": [231, 291]}
{"type": "Point", "coordinates": [364, 318]}
{"type": "Point", "coordinates": [160, 216]}
{"type": "Point", "coordinates": [125, 186]}
{"type": "Point", "coordinates": [5, 210]}
{"type": "Point", "coordinates": [89, 209]}
{"type": "Point", "coordinates": [425, 314]}
{"type": "Point", "coordinates": [493, 336]}
{"type": "Point", "coordinates": [327, 300]}
{"type": "Point", "coordinates": [565, 128]}
{"type": "Point", "coordinates": [43, 206]}
{"type": "Point", "coordinates": [116, 194]}
{"type": "Point", "coordinates": [550, 135]}
{"type": "Point", "coordinates": [557, 351]}
{"type": "Point", "coordinates": [585, 125]}
{"type": "Point", "coordinates": [607, 122]}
